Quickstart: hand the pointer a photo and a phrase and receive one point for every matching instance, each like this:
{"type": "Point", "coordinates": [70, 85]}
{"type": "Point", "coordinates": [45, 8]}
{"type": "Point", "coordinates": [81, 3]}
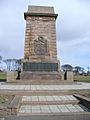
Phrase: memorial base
{"type": "Point", "coordinates": [40, 71]}
{"type": "Point", "coordinates": [40, 75]}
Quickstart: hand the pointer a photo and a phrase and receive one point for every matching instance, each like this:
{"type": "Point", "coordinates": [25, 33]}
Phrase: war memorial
{"type": "Point", "coordinates": [40, 52]}
{"type": "Point", "coordinates": [42, 99]}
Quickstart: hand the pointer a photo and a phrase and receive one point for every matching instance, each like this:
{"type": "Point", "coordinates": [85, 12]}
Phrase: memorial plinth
{"type": "Point", "coordinates": [40, 51]}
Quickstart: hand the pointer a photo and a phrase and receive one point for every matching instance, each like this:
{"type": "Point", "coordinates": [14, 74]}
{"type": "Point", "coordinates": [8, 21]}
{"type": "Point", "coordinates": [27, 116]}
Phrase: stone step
{"type": "Point", "coordinates": [27, 110]}
{"type": "Point", "coordinates": [45, 100]}
{"type": "Point", "coordinates": [50, 105]}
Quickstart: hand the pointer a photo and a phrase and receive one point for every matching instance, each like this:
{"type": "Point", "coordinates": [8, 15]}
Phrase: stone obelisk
{"type": "Point", "coordinates": [40, 51]}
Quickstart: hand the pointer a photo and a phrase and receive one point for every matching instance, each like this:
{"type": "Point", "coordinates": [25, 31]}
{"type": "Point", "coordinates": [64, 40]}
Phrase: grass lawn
{"type": "Point", "coordinates": [2, 99]}
{"type": "Point", "coordinates": [80, 78]}
{"type": "Point", "coordinates": [2, 75]}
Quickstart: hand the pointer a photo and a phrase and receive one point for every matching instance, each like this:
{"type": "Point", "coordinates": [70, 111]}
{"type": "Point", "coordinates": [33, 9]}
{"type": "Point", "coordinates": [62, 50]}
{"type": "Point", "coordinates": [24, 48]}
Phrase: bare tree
{"type": "Point", "coordinates": [79, 70]}
{"type": "Point", "coordinates": [0, 59]}
{"type": "Point", "coordinates": [66, 67]}
{"type": "Point", "coordinates": [8, 63]}
{"type": "Point", "coordinates": [88, 70]}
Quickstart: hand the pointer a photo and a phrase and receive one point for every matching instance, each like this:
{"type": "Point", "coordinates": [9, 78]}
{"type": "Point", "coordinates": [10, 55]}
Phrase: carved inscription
{"type": "Point", "coordinates": [40, 46]}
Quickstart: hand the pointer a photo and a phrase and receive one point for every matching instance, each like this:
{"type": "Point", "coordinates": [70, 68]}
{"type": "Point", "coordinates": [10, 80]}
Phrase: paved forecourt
{"type": "Point", "coordinates": [78, 86]}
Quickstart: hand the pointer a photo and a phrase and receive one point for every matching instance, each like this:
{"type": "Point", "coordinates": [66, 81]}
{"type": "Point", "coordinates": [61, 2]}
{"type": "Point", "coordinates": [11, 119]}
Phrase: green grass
{"type": "Point", "coordinates": [2, 75]}
{"type": "Point", "coordinates": [82, 78]}
{"type": "Point", "coordinates": [2, 99]}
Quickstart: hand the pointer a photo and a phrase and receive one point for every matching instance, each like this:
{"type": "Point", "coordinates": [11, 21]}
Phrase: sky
{"type": "Point", "coordinates": [72, 29]}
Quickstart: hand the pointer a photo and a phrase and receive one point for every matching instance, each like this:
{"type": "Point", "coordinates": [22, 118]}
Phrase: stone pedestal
{"type": "Point", "coordinates": [40, 75]}
{"type": "Point", "coordinates": [11, 76]}
{"type": "Point", "coordinates": [67, 76]}
{"type": "Point", "coordinates": [40, 71]}
{"type": "Point", "coordinates": [70, 76]}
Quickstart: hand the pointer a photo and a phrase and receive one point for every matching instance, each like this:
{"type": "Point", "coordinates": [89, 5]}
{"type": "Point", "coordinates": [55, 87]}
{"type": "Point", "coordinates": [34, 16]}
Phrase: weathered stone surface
{"type": "Point", "coordinates": [40, 43]}
{"type": "Point", "coordinates": [41, 76]}
{"type": "Point", "coordinates": [11, 76]}
{"type": "Point", "coordinates": [70, 76]}
{"type": "Point", "coordinates": [40, 26]}
{"type": "Point", "coordinates": [40, 9]}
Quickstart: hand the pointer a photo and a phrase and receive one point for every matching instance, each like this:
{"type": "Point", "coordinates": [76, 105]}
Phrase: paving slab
{"type": "Point", "coordinates": [63, 108]}
{"type": "Point", "coordinates": [46, 87]}
{"type": "Point", "coordinates": [45, 109]}
{"type": "Point", "coordinates": [41, 98]}
{"type": "Point", "coordinates": [34, 98]}
{"type": "Point", "coordinates": [54, 109]}
{"type": "Point", "coordinates": [49, 109]}
{"type": "Point", "coordinates": [35, 109]}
